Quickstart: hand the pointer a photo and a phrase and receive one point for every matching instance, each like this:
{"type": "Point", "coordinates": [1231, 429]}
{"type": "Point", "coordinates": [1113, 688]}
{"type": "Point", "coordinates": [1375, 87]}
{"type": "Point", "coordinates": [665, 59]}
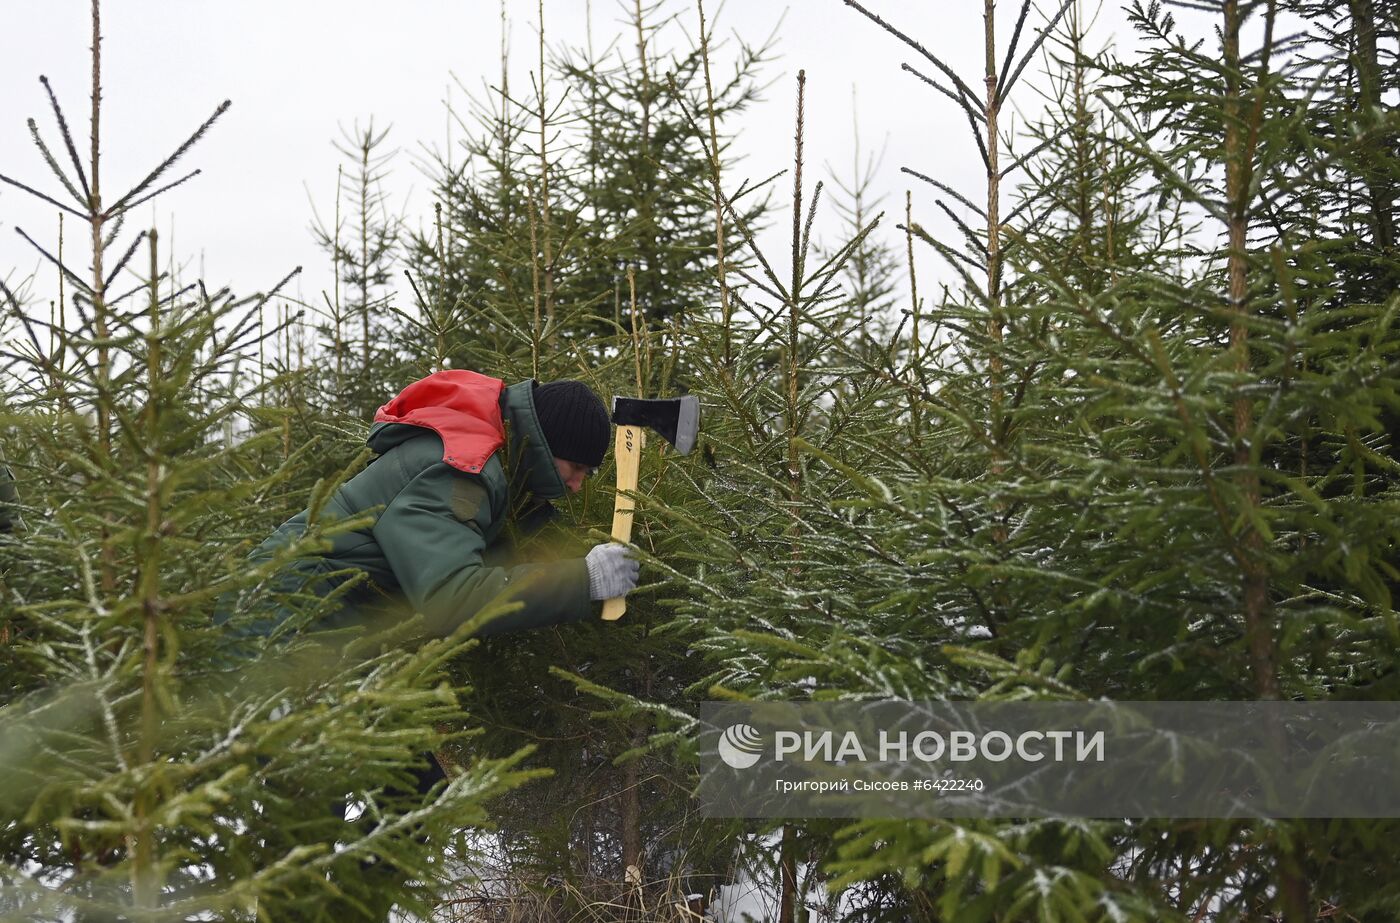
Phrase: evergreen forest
{"type": "Point", "coordinates": [1116, 422]}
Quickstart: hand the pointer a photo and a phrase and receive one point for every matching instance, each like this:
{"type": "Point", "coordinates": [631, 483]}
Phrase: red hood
{"type": "Point", "coordinates": [462, 407]}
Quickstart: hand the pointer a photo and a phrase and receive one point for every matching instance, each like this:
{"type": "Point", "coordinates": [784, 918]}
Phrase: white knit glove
{"type": "Point", "coordinates": [611, 572]}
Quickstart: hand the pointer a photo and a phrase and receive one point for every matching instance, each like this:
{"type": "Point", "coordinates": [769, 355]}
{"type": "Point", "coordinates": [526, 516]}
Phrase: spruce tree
{"type": "Point", "coordinates": [1153, 463]}
{"type": "Point", "coordinates": [163, 760]}
{"type": "Point", "coordinates": [362, 239]}
{"type": "Point", "coordinates": [600, 285]}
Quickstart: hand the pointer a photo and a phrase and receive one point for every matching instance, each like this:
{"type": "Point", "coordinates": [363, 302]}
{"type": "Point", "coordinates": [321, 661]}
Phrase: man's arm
{"type": "Point", "coordinates": [432, 535]}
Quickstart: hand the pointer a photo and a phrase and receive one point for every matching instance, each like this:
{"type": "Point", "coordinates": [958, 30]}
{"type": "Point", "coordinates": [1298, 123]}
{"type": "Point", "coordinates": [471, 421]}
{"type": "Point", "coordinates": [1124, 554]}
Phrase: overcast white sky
{"type": "Point", "coordinates": [297, 70]}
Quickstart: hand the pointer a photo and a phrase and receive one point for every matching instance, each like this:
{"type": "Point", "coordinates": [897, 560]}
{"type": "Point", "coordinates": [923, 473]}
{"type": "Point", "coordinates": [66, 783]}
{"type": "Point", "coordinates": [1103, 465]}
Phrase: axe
{"type": "Point", "coordinates": [677, 420]}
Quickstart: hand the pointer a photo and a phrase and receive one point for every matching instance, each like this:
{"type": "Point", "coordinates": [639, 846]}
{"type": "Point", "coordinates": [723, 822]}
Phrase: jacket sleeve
{"type": "Point", "coordinates": [432, 535]}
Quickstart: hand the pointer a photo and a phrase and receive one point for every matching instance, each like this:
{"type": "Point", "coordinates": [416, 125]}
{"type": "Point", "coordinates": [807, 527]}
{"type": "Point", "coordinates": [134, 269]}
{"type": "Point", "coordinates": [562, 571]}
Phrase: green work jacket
{"type": "Point", "coordinates": [437, 543]}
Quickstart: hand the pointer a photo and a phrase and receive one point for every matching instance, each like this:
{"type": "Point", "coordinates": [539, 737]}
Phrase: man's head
{"type": "Point", "coordinates": [576, 425]}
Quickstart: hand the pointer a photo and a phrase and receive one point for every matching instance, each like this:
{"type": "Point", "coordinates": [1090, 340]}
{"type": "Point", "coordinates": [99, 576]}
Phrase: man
{"type": "Point", "coordinates": [462, 463]}
{"type": "Point", "coordinates": [460, 458]}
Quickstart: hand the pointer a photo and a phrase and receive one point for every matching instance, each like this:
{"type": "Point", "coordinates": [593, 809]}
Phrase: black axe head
{"type": "Point", "coordinates": [676, 419]}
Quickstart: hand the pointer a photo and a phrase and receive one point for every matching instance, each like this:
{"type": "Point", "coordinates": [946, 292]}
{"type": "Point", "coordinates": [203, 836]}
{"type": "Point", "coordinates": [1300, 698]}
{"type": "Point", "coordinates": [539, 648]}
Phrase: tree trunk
{"type": "Point", "coordinates": [1368, 74]}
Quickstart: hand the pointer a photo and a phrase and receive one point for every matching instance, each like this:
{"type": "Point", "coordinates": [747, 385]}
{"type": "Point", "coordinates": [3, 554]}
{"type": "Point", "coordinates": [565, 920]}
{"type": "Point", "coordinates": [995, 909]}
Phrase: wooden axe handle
{"type": "Point", "coordinates": [630, 440]}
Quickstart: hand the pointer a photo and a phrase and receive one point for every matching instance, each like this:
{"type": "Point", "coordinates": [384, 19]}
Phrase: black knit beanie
{"type": "Point", "coordinates": [574, 421]}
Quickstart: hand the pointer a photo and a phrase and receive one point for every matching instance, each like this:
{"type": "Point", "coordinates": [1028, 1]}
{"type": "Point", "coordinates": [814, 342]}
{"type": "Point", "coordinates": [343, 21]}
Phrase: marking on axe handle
{"type": "Point", "coordinates": [630, 440]}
